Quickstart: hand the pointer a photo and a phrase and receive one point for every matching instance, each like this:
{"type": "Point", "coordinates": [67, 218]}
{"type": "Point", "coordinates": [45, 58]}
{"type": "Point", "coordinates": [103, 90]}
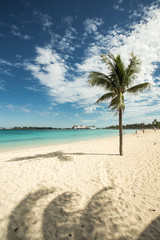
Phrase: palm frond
{"type": "Point", "coordinates": [114, 102]}
{"type": "Point", "coordinates": [135, 63]}
{"type": "Point", "coordinates": [111, 66]}
{"type": "Point", "coordinates": [114, 105]}
{"type": "Point", "coordinates": [120, 69]}
{"type": "Point", "coordinates": [117, 103]}
{"type": "Point", "coordinates": [107, 60]}
{"type": "Point", "coordinates": [101, 80]}
{"type": "Point", "coordinates": [106, 97]}
{"type": "Point", "coordinates": [133, 68]}
{"type": "Point", "coordinates": [139, 88]}
{"type": "Point", "coordinates": [93, 76]}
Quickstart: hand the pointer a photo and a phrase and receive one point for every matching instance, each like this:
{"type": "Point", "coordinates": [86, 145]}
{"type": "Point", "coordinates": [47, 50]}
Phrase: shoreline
{"type": "Point", "coordinates": [48, 146]}
{"type": "Point", "coordinates": [68, 141]}
{"type": "Point", "coordinates": [51, 192]}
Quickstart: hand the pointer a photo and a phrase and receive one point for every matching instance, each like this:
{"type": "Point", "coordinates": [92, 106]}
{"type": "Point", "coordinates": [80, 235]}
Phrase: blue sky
{"type": "Point", "coordinates": [48, 48]}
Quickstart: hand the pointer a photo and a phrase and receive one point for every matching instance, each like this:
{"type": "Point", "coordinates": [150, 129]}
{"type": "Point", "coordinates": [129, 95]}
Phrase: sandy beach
{"type": "Point", "coordinates": [82, 191]}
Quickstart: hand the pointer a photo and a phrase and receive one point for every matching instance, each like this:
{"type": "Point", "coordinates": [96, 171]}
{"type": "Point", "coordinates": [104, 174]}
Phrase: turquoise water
{"type": "Point", "coordinates": [21, 139]}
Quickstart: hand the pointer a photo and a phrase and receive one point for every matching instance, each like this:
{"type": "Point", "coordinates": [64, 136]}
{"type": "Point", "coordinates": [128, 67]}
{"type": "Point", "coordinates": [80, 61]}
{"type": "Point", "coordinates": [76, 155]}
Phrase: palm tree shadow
{"type": "Point", "coordinates": [22, 216]}
{"type": "Point", "coordinates": [59, 154]}
{"type": "Point", "coordinates": [62, 219]}
{"type": "Point", "coordinates": [95, 212]}
{"type": "Point", "coordinates": [152, 231]}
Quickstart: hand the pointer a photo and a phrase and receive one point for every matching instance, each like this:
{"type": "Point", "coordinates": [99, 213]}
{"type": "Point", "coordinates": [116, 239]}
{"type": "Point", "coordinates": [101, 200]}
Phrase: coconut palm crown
{"type": "Point", "coordinates": [119, 80]}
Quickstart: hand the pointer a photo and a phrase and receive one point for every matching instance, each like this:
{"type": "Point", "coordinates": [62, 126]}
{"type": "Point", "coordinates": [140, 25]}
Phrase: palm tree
{"type": "Point", "coordinates": [118, 81]}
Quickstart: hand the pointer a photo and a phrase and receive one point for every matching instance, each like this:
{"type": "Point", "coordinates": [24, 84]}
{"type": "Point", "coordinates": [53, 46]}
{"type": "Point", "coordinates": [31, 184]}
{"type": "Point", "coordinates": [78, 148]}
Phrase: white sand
{"type": "Point", "coordinates": [82, 191]}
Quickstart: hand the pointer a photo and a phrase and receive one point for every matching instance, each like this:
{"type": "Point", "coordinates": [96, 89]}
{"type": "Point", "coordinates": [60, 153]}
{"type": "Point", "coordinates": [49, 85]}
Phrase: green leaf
{"type": "Point", "coordinates": [133, 68]}
{"type": "Point", "coordinates": [106, 97]}
{"type": "Point", "coordinates": [117, 102]}
{"type": "Point", "coordinates": [101, 80]}
{"type": "Point", "coordinates": [139, 88]}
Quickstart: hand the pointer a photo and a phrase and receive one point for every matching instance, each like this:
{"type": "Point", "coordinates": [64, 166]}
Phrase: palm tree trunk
{"type": "Point", "coordinates": [120, 133]}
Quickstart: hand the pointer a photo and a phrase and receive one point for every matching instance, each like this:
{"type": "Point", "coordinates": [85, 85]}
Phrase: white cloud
{"type": "Point", "coordinates": [34, 89]}
{"type": "Point", "coordinates": [2, 83]}
{"type": "Point", "coordinates": [93, 63]}
{"type": "Point", "coordinates": [45, 113]}
{"type": "Point", "coordinates": [66, 41]}
{"type": "Point", "coordinates": [10, 107]}
{"type": "Point", "coordinates": [4, 62]}
{"type": "Point", "coordinates": [68, 21]}
{"type": "Point", "coordinates": [18, 56]}
{"type": "Point", "coordinates": [117, 5]}
{"type": "Point", "coordinates": [17, 108]}
{"type": "Point", "coordinates": [6, 67]}
{"type": "Point", "coordinates": [92, 24]}
{"type": "Point", "coordinates": [24, 109]}
{"type": "Point", "coordinates": [45, 20]}
{"type": "Point", "coordinates": [6, 71]}
{"type": "Point", "coordinates": [51, 71]}
{"type": "Point", "coordinates": [63, 42]}
{"type": "Point", "coordinates": [16, 32]}
{"type": "Point", "coordinates": [91, 109]}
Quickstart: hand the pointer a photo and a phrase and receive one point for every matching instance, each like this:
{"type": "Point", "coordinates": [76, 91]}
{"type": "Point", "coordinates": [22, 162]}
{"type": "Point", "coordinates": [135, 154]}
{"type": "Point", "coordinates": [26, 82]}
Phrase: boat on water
{"type": "Point", "coordinates": [92, 128]}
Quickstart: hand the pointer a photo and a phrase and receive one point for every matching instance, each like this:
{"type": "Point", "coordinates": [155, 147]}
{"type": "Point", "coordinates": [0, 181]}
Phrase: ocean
{"type": "Point", "coordinates": [21, 139]}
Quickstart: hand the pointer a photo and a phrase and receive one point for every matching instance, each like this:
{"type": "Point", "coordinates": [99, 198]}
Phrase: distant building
{"type": "Point", "coordinates": [79, 127]}
{"type": "Point", "coordinates": [83, 127]}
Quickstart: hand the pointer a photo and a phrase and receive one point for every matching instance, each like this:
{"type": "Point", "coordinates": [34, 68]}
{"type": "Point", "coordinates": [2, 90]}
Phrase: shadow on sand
{"type": "Point", "coordinates": [59, 154]}
{"type": "Point", "coordinates": [62, 219]}
{"type": "Point", "coordinates": [152, 231]}
{"type": "Point", "coordinates": [22, 216]}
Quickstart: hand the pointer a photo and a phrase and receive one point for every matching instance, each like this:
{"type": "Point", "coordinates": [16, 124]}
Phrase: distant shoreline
{"type": "Point", "coordinates": [49, 128]}
{"type": "Point", "coordinates": [46, 128]}
{"type": "Point", "coordinates": [136, 126]}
